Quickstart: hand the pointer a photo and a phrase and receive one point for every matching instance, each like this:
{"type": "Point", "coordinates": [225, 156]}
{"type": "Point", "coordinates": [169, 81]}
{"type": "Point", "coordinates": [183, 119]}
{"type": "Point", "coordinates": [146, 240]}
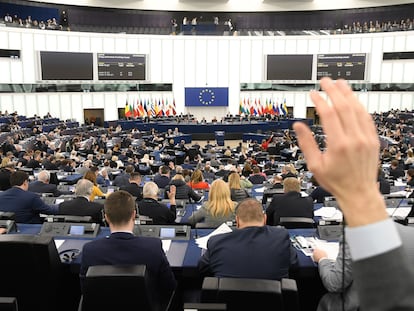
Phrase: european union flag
{"type": "Point", "coordinates": [206, 96]}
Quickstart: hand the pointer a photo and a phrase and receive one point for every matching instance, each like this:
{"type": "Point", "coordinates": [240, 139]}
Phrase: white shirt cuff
{"type": "Point", "coordinates": [373, 239]}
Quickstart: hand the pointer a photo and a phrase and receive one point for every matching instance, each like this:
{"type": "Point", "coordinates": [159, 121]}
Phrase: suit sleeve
{"type": "Point", "coordinates": [330, 271]}
{"type": "Point", "coordinates": [42, 208]}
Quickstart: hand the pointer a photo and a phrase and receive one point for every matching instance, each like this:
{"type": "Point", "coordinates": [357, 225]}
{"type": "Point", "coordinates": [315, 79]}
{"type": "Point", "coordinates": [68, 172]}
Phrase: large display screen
{"type": "Point", "coordinates": [121, 66]}
{"type": "Point", "coordinates": [66, 66]}
{"type": "Point", "coordinates": [289, 67]}
{"type": "Point", "coordinates": [341, 66]}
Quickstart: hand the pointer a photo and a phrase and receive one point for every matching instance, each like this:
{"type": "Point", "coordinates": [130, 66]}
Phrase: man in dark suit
{"type": "Point", "coordinates": [81, 206]}
{"type": "Point", "coordinates": [26, 205]}
{"type": "Point", "coordinates": [123, 178]}
{"type": "Point", "coordinates": [133, 186]}
{"type": "Point", "coordinates": [122, 247]}
{"type": "Point", "coordinates": [162, 179]}
{"type": "Point", "coordinates": [42, 185]}
{"type": "Point", "coordinates": [157, 211]}
{"type": "Point", "coordinates": [290, 204]}
{"type": "Point", "coordinates": [253, 244]}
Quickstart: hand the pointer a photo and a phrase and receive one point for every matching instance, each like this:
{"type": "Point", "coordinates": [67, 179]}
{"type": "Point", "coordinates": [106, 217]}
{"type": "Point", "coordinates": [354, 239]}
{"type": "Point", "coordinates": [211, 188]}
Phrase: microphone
{"type": "Point", "coordinates": [398, 205]}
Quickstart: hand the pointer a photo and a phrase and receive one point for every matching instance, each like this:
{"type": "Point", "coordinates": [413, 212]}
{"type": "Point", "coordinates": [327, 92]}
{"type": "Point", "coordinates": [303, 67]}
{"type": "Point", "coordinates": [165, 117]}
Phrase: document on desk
{"type": "Point", "coordinates": [399, 212]}
{"type": "Point", "coordinates": [331, 248]}
{"type": "Point", "coordinates": [202, 242]}
{"type": "Point", "coordinates": [59, 243]}
{"type": "Point", "coordinates": [329, 213]}
{"type": "Point", "coordinates": [166, 245]}
{"type": "Point", "coordinates": [399, 194]}
{"type": "Point", "coordinates": [259, 190]}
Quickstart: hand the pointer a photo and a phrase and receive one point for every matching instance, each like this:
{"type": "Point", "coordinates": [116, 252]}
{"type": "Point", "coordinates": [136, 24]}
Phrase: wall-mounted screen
{"type": "Point", "coordinates": [350, 66]}
{"type": "Point", "coordinates": [289, 67]}
{"type": "Point", "coordinates": [121, 66]}
{"type": "Point", "coordinates": [15, 54]}
{"type": "Point", "coordinates": [66, 66]}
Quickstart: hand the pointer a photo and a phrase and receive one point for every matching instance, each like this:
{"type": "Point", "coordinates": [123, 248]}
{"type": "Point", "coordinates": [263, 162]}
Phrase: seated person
{"type": "Point", "coordinates": [182, 190]}
{"type": "Point", "coordinates": [163, 179]}
{"type": "Point", "coordinates": [26, 205]}
{"type": "Point", "coordinates": [318, 194]}
{"type": "Point", "coordinates": [395, 170]}
{"type": "Point", "coordinates": [383, 183]}
{"type": "Point", "coordinates": [197, 180]}
{"type": "Point", "coordinates": [257, 178]}
{"type": "Point", "coordinates": [218, 209]}
{"type": "Point", "coordinates": [253, 244]}
{"type": "Point", "coordinates": [290, 204]}
{"type": "Point", "coordinates": [96, 191]}
{"type": "Point", "coordinates": [237, 193]}
{"type": "Point", "coordinates": [289, 170]}
{"type": "Point", "coordinates": [133, 186]}
{"type": "Point", "coordinates": [81, 206]}
{"type": "Point", "coordinates": [122, 247]}
{"type": "Point", "coordinates": [410, 177]}
{"type": "Point", "coordinates": [149, 206]}
{"type": "Point", "coordinates": [42, 185]}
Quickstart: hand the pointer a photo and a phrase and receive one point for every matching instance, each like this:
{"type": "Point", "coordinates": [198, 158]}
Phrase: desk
{"type": "Point", "coordinates": [183, 257]}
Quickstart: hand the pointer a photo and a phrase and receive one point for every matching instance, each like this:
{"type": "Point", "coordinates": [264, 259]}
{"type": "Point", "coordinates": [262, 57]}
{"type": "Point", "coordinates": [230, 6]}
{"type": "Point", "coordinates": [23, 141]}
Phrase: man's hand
{"type": "Point", "coordinates": [318, 254]}
{"type": "Point", "coordinates": [171, 194]}
{"type": "Point", "coordinates": [348, 167]}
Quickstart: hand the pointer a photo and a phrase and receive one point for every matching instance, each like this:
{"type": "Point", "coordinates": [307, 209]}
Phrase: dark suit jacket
{"type": "Point", "coordinates": [127, 249]}
{"type": "Point", "coordinates": [159, 212]}
{"type": "Point", "coordinates": [80, 206]}
{"type": "Point", "coordinates": [134, 190]}
{"type": "Point", "coordinates": [5, 179]}
{"type": "Point", "coordinates": [40, 187]}
{"type": "Point", "coordinates": [25, 204]}
{"type": "Point", "coordinates": [290, 204]}
{"type": "Point", "coordinates": [253, 252]}
{"type": "Point", "coordinates": [162, 181]}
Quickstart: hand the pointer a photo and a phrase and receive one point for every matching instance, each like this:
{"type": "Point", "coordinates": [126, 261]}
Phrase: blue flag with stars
{"type": "Point", "coordinates": [206, 96]}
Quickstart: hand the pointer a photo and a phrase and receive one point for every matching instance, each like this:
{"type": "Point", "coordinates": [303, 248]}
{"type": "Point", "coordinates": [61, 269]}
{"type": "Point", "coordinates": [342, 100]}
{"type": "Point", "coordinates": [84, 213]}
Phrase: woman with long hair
{"type": "Point", "coordinates": [218, 209]}
{"type": "Point", "coordinates": [197, 181]}
{"type": "Point", "coordinates": [236, 191]}
{"type": "Point", "coordinates": [96, 191]}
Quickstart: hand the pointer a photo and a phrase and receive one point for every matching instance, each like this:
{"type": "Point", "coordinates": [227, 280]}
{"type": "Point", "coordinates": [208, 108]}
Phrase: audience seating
{"type": "Point", "coordinates": [251, 294]}
{"type": "Point", "coordinates": [112, 287]}
{"type": "Point", "coordinates": [296, 222]}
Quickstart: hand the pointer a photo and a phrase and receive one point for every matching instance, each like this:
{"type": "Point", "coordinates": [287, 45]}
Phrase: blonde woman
{"type": "Point", "coordinates": [236, 191]}
{"type": "Point", "coordinates": [218, 209]}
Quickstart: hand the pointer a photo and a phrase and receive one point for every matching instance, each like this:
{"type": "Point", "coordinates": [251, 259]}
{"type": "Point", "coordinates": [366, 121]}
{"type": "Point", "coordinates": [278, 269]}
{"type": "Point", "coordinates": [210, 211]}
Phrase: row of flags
{"type": "Point", "coordinates": [257, 108]}
{"type": "Point", "coordinates": [150, 107]}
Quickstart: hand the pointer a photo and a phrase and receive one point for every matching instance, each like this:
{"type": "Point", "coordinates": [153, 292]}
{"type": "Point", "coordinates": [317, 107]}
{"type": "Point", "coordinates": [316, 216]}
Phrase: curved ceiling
{"type": "Point", "coordinates": [230, 5]}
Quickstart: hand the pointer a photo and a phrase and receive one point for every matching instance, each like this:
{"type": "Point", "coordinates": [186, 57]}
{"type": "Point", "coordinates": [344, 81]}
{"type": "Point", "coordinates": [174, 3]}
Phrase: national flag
{"type": "Point", "coordinates": [136, 110]}
{"type": "Point", "coordinates": [275, 110]}
{"type": "Point", "coordinates": [128, 110]}
{"type": "Point", "coordinates": [241, 111]}
{"type": "Point", "coordinates": [281, 110]}
{"type": "Point", "coordinates": [174, 112]}
{"type": "Point", "coordinates": [285, 108]}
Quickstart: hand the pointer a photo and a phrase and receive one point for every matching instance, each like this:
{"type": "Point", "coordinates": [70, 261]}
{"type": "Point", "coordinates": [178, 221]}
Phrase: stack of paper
{"type": "Point", "coordinates": [202, 242]}
{"type": "Point", "coordinates": [329, 213]}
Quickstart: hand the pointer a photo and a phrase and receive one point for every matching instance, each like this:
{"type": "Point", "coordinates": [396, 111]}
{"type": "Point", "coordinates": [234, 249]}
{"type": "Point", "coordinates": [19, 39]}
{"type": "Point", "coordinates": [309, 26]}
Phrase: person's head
{"type": "Point", "coordinates": [249, 212]}
{"type": "Point", "coordinates": [19, 179]}
{"type": "Point", "coordinates": [129, 169]}
{"type": "Point", "coordinates": [164, 170]}
{"type": "Point", "coordinates": [83, 188]}
{"type": "Point", "coordinates": [197, 176]}
{"type": "Point", "coordinates": [256, 169]}
{"type": "Point", "coordinates": [410, 153]}
{"type": "Point", "coordinates": [5, 162]}
{"type": "Point", "coordinates": [219, 199]}
{"type": "Point", "coordinates": [291, 184]}
{"type": "Point", "coordinates": [44, 176]}
{"type": "Point", "coordinates": [178, 177]}
{"type": "Point", "coordinates": [410, 173]}
{"type": "Point", "coordinates": [234, 180]}
{"type": "Point", "coordinates": [120, 210]}
{"type": "Point", "coordinates": [150, 190]}
{"type": "Point", "coordinates": [91, 175]}
{"type": "Point", "coordinates": [394, 163]}
{"type": "Point", "coordinates": [135, 177]}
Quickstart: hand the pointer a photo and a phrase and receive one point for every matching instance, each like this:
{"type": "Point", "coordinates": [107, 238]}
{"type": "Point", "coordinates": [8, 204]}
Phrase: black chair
{"type": "Point", "coordinates": [297, 222]}
{"type": "Point", "coordinates": [251, 294]}
{"type": "Point", "coordinates": [28, 261]}
{"type": "Point", "coordinates": [112, 287]}
{"type": "Point", "coordinates": [9, 304]}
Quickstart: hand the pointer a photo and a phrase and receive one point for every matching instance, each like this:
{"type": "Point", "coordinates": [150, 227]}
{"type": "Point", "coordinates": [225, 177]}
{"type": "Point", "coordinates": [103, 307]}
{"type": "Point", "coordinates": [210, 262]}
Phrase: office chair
{"type": "Point", "coordinates": [112, 287]}
{"type": "Point", "coordinates": [28, 261]}
{"type": "Point", "coordinates": [296, 222]}
{"type": "Point", "coordinates": [8, 304]}
{"type": "Point", "coordinates": [251, 294]}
